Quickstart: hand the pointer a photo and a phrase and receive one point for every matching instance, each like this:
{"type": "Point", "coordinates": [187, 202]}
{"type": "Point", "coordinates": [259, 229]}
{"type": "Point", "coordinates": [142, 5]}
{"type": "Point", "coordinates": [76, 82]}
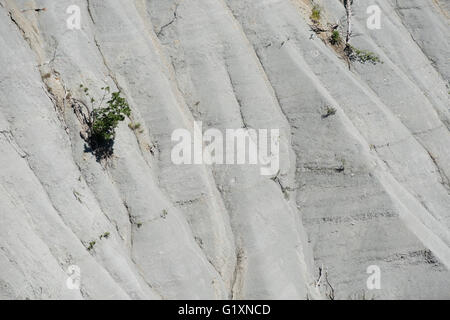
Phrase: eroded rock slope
{"type": "Point", "coordinates": [367, 185]}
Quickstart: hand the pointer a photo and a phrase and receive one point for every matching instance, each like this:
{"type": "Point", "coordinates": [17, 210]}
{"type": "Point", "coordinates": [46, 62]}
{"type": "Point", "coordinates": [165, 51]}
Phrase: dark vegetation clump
{"type": "Point", "coordinates": [103, 120]}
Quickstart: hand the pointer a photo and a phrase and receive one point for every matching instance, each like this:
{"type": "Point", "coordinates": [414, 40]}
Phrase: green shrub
{"type": "Point", "coordinates": [362, 56]}
{"type": "Point", "coordinates": [315, 13]}
{"type": "Point", "coordinates": [103, 121]}
{"type": "Point", "coordinates": [335, 37]}
{"type": "Point", "coordinates": [105, 235]}
{"type": "Point", "coordinates": [91, 245]}
{"type": "Point", "coordinates": [106, 119]}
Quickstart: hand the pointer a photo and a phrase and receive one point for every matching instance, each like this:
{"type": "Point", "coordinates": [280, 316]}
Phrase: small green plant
{"type": "Point", "coordinates": [139, 224]}
{"type": "Point", "coordinates": [103, 120]}
{"type": "Point", "coordinates": [134, 126]}
{"type": "Point", "coordinates": [164, 214]}
{"type": "Point", "coordinates": [315, 13]}
{"type": "Point", "coordinates": [362, 56]}
{"type": "Point", "coordinates": [105, 235]}
{"type": "Point", "coordinates": [330, 111]}
{"type": "Point", "coordinates": [91, 245]}
{"type": "Point", "coordinates": [335, 38]}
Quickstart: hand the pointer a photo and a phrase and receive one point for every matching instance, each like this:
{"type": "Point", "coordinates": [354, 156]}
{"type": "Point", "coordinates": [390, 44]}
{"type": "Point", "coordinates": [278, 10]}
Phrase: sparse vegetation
{"type": "Point", "coordinates": [352, 53]}
{"type": "Point", "coordinates": [330, 111]}
{"type": "Point", "coordinates": [164, 214]}
{"type": "Point", "coordinates": [316, 13]}
{"type": "Point", "coordinates": [335, 38]}
{"type": "Point", "coordinates": [153, 148]}
{"type": "Point", "coordinates": [362, 56]}
{"type": "Point", "coordinates": [105, 235]}
{"type": "Point", "coordinates": [103, 121]}
{"type": "Point", "coordinates": [91, 245]}
{"type": "Point", "coordinates": [134, 126]}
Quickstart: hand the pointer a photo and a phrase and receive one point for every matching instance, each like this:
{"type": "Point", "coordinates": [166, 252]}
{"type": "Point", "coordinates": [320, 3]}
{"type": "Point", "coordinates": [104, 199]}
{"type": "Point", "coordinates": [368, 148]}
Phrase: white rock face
{"type": "Point", "coordinates": [366, 186]}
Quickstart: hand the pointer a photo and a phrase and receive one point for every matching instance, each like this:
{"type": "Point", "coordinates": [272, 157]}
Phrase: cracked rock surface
{"type": "Point", "coordinates": [367, 184]}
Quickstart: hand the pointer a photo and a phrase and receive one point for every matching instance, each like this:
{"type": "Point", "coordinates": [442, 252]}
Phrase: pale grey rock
{"type": "Point", "coordinates": [368, 185]}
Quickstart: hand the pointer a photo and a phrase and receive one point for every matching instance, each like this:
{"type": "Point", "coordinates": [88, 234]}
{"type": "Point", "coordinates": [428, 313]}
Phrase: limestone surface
{"type": "Point", "coordinates": [360, 205]}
